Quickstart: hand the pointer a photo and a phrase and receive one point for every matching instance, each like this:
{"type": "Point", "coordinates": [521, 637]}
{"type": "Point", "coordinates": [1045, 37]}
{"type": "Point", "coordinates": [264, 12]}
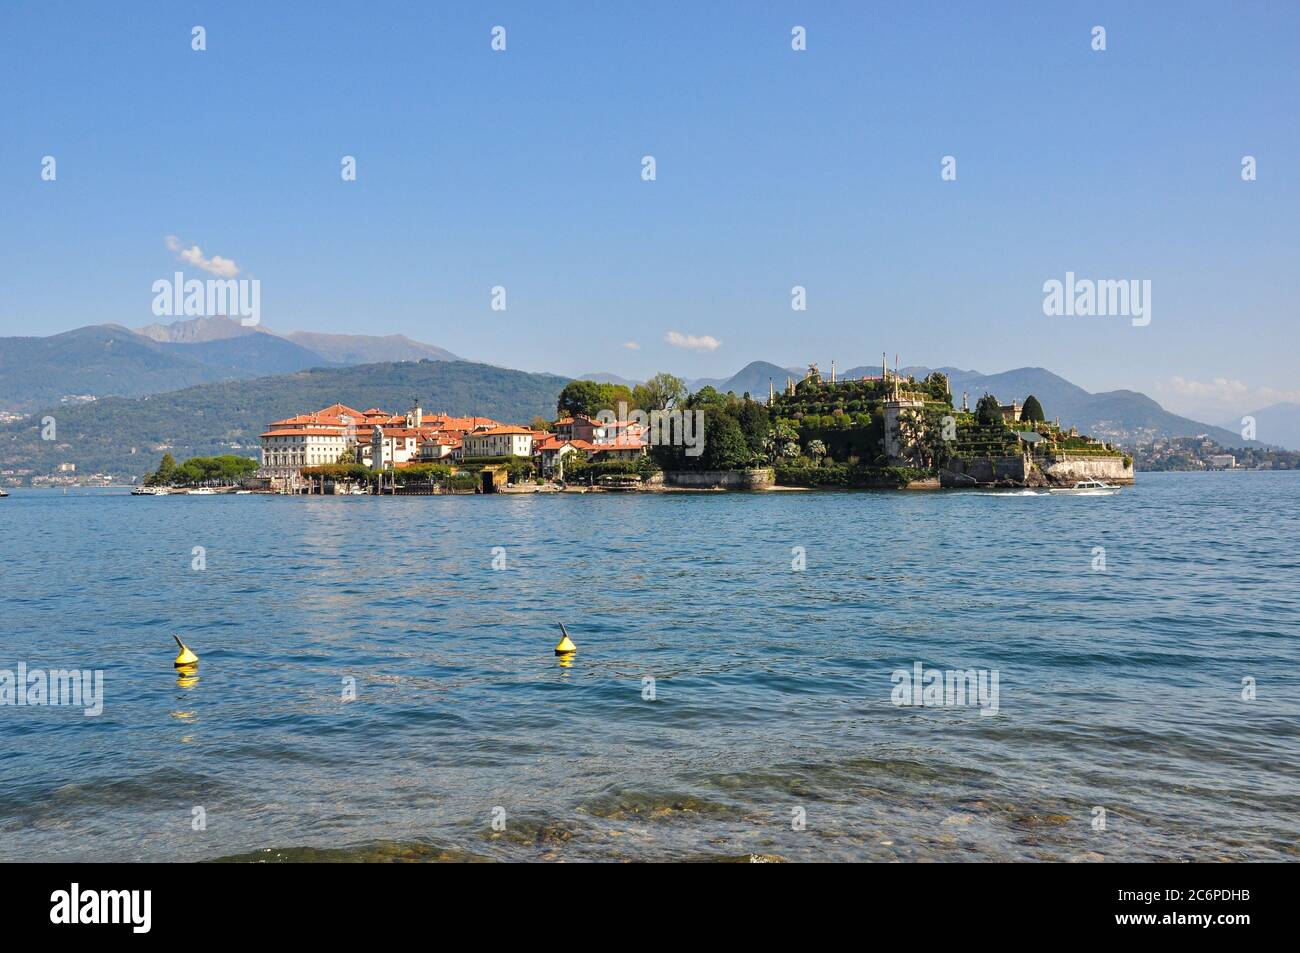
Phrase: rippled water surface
{"type": "Point", "coordinates": [1119, 689]}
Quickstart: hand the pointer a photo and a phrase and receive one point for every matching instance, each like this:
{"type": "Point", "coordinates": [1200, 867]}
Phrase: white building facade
{"type": "Point", "coordinates": [498, 442]}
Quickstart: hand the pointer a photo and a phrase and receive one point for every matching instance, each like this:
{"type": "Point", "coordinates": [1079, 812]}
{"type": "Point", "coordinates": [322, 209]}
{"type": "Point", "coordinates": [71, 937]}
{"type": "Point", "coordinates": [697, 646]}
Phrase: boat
{"type": "Point", "coordinates": [150, 491]}
{"type": "Point", "coordinates": [3, 493]}
{"type": "Point", "coordinates": [1088, 488]}
{"type": "Point", "coordinates": [243, 493]}
{"type": "Point", "coordinates": [201, 491]}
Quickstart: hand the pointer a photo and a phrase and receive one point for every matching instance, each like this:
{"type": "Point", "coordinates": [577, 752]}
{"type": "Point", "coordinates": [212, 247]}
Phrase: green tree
{"type": "Point", "coordinates": [204, 471]}
{"type": "Point", "coordinates": [589, 398]}
{"type": "Point", "coordinates": [782, 441]}
{"type": "Point", "coordinates": [816, 449]}
{"type": "Point", "coordinates": [1032, 411]}
{"type": "Point", "coordinates": [754, 423]}
{"type": "Point", "coordinates": [165, 473]}
{"type": "Point", "coordinates": [422, 473]}
{"type": "Point", "coordinates": [660, 392]}
{"type": "Point", "coordinates": [707, 396]}
{"type": "Point", "coordinates": [611, 395]}
{"type": "Point", "coordinates": [988, 412]}
{"type": "Point", "coordinates": [936, 384]}
{"type": "Point", "coordinates": [921, 435]}
{"type": "Point", "coordinates": [724, 442]}
{"type": "Point", "coordinates": [579, 397]}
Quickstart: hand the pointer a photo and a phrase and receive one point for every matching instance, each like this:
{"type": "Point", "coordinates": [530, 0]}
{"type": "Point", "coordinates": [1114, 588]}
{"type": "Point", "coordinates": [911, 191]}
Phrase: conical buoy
{"type": "Point", "coordinates": [186, 657]}
{"type": "Point", "coordinates": [566, 646]}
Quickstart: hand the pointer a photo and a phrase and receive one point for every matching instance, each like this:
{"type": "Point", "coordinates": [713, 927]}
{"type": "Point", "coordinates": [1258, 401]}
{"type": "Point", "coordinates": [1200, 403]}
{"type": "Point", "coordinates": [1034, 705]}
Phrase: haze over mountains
{"type": "Point", "coordinates": [1278, 424]}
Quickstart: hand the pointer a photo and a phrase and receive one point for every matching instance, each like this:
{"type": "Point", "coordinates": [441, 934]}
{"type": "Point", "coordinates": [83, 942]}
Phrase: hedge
{"type": "Point", "coordinates": [843, 475]}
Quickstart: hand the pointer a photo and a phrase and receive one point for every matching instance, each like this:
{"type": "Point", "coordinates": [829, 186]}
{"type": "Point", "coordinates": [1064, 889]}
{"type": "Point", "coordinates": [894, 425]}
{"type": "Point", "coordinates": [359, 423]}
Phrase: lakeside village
{"type": "Point", "coordinates": [885, 432]}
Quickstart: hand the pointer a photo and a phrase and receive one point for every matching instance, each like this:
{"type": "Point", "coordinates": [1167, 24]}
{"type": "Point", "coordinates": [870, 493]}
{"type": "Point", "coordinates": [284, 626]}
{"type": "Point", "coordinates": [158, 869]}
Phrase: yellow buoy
{"type": "Point", "coordinates": [566, 646]}
{"type": "Point", "coordinates": [186, 658]}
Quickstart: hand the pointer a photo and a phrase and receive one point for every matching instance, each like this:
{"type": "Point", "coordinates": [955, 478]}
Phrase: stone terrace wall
{"type": "Point", "coordinates": [1068, 468]}
{"type": "Point", "coordinates": [722, 479]}
{"type": "Point", "coordinates": [986, 471]}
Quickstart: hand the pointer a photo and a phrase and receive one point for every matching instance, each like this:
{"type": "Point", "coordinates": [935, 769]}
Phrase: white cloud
{"type": "Point", "coordinates": [632, 346]}
{"type": "Point", "coordinates": [1271, 395]}
{"type": "Point", "coordinates": [1219, 398]}
{"type": "Point", "coordinates": [216, 265]}
{"type": "Point", "coordinates": [705, 342]}
{"type": "Point", "coordinates": [1218, 389]}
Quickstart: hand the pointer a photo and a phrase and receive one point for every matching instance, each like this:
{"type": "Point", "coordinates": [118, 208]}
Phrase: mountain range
{"type": "Point", "coordinates": [331, 348]}
{"type": "Point", "coordinates": [1120, 416]}
{"type": "Point", "coordinates": [111, 360]}
{"type": "Point", "coordinates": [209, 384]}
{"type": "Point", "coordinates": [1276, 424]}
{"type": "Point", "coordinates": [125, 436]}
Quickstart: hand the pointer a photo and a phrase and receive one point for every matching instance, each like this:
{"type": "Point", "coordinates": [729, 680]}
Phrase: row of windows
{"type": "Point", "coordinates": [299, 459]}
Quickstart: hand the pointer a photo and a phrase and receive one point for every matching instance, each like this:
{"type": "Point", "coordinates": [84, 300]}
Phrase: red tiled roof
{"type": "Point", "coordinates": [445, 422]}
{"type": "Point", "coordinates": [503, 431]}
{"type": "Point", "coordinates": [303, 432]}
{"type": "Point", "coordinates": [338, 410]}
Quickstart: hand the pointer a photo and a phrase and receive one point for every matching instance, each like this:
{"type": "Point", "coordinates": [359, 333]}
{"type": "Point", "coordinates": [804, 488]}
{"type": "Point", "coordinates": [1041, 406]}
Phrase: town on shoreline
{"type": "Point", "coordinates": [870, 432]}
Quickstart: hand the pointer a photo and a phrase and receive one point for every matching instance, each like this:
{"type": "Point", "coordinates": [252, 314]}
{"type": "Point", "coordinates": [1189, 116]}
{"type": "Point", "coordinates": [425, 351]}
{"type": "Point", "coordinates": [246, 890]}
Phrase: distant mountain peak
{"type": "Point", "coordinates": [368, 348]}
{"type": "Point", "coordinates": [605, 377]}
{"type": "Point", "coordinates": [195, 330]}
{"type": "Point", "coordinates": [1122, 416]}
{"type": "Point", "coordinates": [108, 359]}
{"type": "Point", "coordinates": [330, 348]}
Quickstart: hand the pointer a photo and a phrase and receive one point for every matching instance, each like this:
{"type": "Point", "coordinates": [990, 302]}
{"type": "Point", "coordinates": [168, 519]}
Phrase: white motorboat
{"type": "Point", "coordinates": [150, 491]}
{"type": "Point", "coordinates": [201, 491]}
{"type": "Point", "coordinates": [1088, 488]}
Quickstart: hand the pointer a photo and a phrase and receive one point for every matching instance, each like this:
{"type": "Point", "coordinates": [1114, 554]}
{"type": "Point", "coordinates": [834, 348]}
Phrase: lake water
{"type": "Point", "coordinates": [1119, 690]}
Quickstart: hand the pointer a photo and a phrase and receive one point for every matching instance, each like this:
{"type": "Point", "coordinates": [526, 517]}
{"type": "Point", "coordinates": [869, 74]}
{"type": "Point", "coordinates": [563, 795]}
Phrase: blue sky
{"type": "Point", "coordinates": [775, 168]}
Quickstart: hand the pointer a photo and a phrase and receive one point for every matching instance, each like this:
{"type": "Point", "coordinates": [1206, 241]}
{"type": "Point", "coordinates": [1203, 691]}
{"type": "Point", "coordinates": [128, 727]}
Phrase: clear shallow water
{"type": "Point", "coordinates": [1119, 689]}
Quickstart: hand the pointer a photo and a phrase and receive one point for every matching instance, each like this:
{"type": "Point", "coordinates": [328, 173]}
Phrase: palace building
{"type": "Point", "coordinates": [339, 433]}
{"type": "Point", "coordinates": [379, 440]}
